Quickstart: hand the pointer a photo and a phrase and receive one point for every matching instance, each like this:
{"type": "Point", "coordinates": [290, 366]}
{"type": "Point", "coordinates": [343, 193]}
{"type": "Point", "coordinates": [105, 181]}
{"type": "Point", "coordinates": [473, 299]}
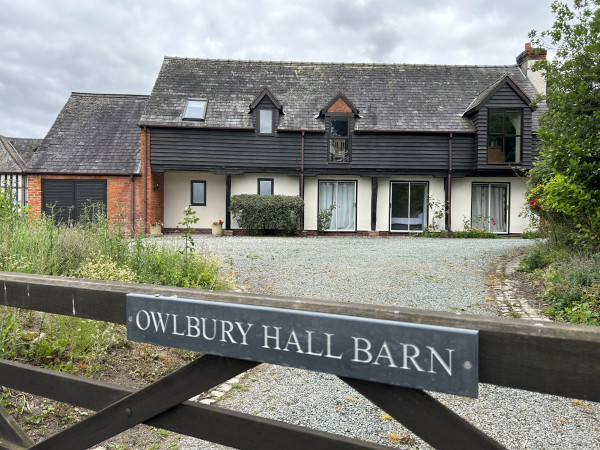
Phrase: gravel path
{"type": "Point", "coordinates": [436, 274]}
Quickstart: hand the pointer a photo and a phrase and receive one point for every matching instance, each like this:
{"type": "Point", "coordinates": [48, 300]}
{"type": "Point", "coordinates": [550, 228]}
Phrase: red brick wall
{"type": "Point", "coordinates": [153, 201]}
{"type": "Point", "coordinates": [148, 192]}
{"type": "Point", "coordinates": [118, 195]}
{"type": "Point", "coordinates": [339, 106]}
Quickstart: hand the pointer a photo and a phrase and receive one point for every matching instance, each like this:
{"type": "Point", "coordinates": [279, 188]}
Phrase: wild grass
{"type": "Point", "coordinates": [570, 275]}
{"type": "Point", "coordinates": [95, 249]}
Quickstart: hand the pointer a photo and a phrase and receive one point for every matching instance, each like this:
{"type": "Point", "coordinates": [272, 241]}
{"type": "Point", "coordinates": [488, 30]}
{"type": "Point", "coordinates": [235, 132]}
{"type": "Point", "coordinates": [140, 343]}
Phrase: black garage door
{"type": "Point", "coordinates": [73, 199]}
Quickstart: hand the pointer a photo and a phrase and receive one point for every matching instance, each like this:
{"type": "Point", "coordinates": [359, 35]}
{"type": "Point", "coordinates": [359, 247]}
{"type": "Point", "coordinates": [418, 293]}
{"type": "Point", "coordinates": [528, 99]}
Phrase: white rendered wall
{"type": "Point", "coordinates": [537, 78]}
{"type": "Point", "coordinates": [178, 197]}
{"type": "Point", "coordinates": [461, 201]}
{"type": "Point", "coordinates": [248, 184]}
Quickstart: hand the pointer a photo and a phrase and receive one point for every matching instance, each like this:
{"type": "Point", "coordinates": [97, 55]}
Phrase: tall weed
{"type": "Point", "coordinates": [92, 248]}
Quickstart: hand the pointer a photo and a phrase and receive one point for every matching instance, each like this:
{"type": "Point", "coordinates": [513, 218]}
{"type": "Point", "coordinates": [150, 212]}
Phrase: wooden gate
{"type": "Point", "coordinates": [541, 357]}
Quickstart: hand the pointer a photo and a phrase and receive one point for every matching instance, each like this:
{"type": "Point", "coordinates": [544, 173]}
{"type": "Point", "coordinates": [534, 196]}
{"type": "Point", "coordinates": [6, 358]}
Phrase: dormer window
{"type": "Point", "coordinates": [339, 140]}
{"type": "Point", "coordinates": [340, 114]}
{"type": "Point", "coordinates": [504, 136]}
{"type": "Point", "coordinates": [265, 121]}
{"type": "Point", "coordinates": [266, 110]}
{"type": "Point", "coordinates": [195, 109]}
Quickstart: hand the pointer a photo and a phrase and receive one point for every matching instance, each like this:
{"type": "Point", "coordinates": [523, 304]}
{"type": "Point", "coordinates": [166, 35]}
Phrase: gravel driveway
{"type": "Point", "coordinates": [436, 274]}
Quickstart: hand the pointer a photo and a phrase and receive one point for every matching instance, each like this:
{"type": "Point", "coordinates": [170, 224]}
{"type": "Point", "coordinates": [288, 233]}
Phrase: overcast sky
{"type": "Point", "coordinates": [49, 49]}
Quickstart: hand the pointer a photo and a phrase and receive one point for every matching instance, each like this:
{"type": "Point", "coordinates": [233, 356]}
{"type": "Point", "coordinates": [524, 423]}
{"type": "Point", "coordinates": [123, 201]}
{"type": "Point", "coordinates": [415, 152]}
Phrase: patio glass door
{"type": "Point", "coordinates": [340, 196]}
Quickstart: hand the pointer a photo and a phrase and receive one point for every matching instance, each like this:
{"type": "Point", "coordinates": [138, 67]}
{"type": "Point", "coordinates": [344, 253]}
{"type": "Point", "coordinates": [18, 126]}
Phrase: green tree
{"type": "Point", "coordinates": [564, 187]}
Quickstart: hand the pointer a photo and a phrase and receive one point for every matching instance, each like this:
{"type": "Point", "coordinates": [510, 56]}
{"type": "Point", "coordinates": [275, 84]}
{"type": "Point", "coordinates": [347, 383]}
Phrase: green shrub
{"type": "Point", "coordinates": [572, 283]}
{"type": "Point", "coordinates": [538, 258]}
{"type": "Point", "coordinates": [532, 234]}
{"type": "Point", "coordinates": [475, 233]}
{"type": "Point", "coordinates": [324, 218]}
{"type": "Point", "coordinates": [102, 268]}
{"type": "Point", "coordinates": [161, 265]}
{"type": "Point", "coordinates": [265, 214]}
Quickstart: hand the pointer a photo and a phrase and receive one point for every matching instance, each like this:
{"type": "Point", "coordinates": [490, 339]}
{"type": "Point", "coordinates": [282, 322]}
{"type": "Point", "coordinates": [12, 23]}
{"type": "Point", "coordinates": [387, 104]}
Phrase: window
{"type": "Point", "coordinates": [408, 206]}
{"type": "Point", "coordinates": [339, 140]}
{"type": "Point", "coordinates": [195, 109]}
{"type": "Point", "coordinates": [504, 136]}
{"type": "Point", "coordinates": [339, 197]}
{"type": "Point", "coordinates": [198, 193]}
{"type": "Point", "coordinates": [265, 186]}
{"type": "Point", "coordinates": [265, 121]}
{"type": "Point", "coordinates": [489, 207]}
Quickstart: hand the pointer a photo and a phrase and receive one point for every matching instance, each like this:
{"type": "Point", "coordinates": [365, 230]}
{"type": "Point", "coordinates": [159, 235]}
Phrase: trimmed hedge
{"type": "Point", "coordinates": [266, 214]}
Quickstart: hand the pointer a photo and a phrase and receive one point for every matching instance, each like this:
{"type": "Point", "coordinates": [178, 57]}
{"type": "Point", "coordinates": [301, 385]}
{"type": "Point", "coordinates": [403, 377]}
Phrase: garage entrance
{"type": "Point", "coordinates": [73, 200]}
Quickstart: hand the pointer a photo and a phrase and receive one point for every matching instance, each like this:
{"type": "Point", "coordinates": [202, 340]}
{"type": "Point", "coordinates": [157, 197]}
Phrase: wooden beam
{"type": "Point", "coordinates": [374, 186]}
{"type": "Point", "coordinates": [433, 422]}
{"type": "Point", "coordinates": [227, 201]}
{"type": "Point", "coordinates": [193, 419]}
{"type": "Point", "coordinates": [539, 356]}
{"type": "Point", "coordinates": [12, 437]}
{"type": "Point", "coordinates": [201, 374]}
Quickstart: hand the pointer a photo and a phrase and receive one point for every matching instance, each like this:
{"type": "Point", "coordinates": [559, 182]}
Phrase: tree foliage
{"type": "Point", "coordinates": [565, 182]}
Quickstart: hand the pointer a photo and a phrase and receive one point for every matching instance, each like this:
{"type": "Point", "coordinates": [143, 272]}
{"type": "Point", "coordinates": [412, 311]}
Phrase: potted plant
{"type": "Point", "coordinates": [217, 228]}
{"type": "Point", "coordinates": [156, 228]}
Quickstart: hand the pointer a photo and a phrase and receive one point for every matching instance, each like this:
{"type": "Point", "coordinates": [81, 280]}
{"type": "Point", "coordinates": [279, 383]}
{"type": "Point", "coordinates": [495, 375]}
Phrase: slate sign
{"type": "Point", "coordinates": [404, 354]}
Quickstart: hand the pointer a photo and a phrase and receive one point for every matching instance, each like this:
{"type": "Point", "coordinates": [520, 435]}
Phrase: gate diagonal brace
{"type": "Point", "coordinates": [198, 376]}
{"type": "Point", "coordinates": [11, 435]}
{"type": "Point", "coordinates": [425, 416]}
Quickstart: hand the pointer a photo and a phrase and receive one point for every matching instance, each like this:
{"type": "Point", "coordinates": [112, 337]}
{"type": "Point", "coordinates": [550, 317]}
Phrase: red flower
{"type": "Point", "coordinates": [535, 204]}
{"type": "Point", "coordinates": [494, 222]}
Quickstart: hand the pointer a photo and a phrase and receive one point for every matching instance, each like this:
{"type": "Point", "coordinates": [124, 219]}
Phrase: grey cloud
{"type": "Point", "coordinates": [48, 49]}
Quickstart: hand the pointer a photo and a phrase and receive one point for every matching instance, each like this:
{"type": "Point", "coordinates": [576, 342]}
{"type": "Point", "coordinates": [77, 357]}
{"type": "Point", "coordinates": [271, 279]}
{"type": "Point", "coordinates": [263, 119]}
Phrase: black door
{"type": "Point", "coordinates": [73, 200]}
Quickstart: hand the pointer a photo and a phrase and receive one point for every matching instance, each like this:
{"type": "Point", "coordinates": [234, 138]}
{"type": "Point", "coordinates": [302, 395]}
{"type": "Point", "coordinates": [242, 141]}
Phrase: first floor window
{"type": "Point", "coordinates": [504, 136]}
{"type": "Point", "coordinates": [489, 207]}
{"type": "Point", "coordinates": [265, 186]}
{"type": "Point", "coordinates": [198, 193]}
{"type": "Point", "coordinates": [408, 206]}
{"type": "Point", "coordinates": [339, 140]}
{"type": "Point", "coordinates": [265, 121]}
{"type": "Point", "coordinates": [337, 201]}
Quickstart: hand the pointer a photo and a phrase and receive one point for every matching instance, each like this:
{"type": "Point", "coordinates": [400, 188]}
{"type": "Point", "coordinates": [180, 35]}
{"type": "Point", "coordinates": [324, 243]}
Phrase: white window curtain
{"type": "Point", "coordinates": [489, 207]}
{"type": "Point", "coordinates": [342, 194]}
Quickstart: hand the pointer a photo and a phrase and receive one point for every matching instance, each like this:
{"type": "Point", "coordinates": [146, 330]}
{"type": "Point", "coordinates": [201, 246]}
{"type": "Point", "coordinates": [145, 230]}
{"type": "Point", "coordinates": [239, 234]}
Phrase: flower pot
{"type": "Point", "coordinates": [155, 230]}
{"type": "Point", "coordinates": [217, 230]}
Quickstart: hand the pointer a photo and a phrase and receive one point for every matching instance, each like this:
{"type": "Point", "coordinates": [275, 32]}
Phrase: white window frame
{"type": "Point", "coordinates": [488, 216]}
{"type": "Point", "coordinates": [193, 104]}
{"type": "Point", "coordinates": [335, 214]}
{"type": "Point", "coordinates": [424, 219]}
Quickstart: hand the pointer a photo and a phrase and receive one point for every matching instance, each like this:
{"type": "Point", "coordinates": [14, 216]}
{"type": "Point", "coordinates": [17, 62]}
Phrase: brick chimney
{"type": "Point", "coordinates": [526, 59]}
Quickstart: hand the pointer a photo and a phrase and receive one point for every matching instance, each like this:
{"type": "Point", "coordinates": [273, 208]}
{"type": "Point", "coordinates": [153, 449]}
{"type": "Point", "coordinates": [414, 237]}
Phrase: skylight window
{"type": "Point", "coordinates": [195, 109]}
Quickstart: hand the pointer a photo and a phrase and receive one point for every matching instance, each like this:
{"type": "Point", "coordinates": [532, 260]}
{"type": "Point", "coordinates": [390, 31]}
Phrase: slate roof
{"type": "Point", "coordinates": [25, 147]}
{"type": "Point", "coordinates": [15, 153]}
{"type": "Point", "coordinates": [93, 134]}
{"type": "Point", "coordinates": [397, 97]}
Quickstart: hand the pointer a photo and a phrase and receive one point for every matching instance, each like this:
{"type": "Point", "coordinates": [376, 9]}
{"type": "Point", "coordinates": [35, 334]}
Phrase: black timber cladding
{"type": "Point", "coordinates": [224, 151]}
{"type": "Point", "coordinates": [505, 97]}
{"type": "Point", "coordinates": [230, 151]}
{"type": "Point", "coordinates": [406, 113]}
